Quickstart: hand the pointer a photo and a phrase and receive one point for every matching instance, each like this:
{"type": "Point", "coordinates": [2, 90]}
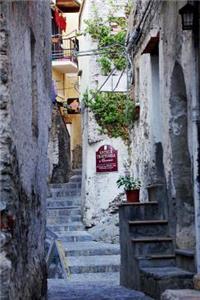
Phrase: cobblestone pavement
{"type": "Point", "coordinates": [60, 289]}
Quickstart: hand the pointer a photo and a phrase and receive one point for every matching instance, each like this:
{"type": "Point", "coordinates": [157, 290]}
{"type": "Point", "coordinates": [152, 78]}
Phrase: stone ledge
{"type": "Point", "coordinates": [181, 295]}
{"type": "Point", "coordinates": [138, 203]}
{"type": "Point", "coordinates": [185, 252]}
{"type": "Point", "coordinates": [196, 281]}
{"type": "Point", "coordinates": [166, 272]}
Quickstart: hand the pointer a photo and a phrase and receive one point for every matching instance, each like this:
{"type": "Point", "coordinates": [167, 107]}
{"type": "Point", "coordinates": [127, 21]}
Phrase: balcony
{"type": "Point", "coordinates": [69, 6]}
{"type": "Point", "coordinates": [63, 54]}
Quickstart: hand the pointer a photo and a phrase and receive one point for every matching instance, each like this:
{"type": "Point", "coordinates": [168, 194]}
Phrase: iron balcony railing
{"type": "Point", "coordinates": [64, 48]}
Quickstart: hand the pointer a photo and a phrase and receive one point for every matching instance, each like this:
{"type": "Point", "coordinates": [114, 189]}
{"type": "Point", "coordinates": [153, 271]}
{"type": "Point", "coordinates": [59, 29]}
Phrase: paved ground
{"type": "Point", "coordinates": [60, 289]}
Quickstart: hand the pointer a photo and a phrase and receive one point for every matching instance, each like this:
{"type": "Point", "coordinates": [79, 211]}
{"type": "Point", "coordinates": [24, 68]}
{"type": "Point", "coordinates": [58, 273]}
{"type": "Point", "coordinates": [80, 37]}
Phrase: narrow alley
{"type": "Point", "coordinates": [100, 150]}
{"type": "Point", "coordinates": [90, 269]}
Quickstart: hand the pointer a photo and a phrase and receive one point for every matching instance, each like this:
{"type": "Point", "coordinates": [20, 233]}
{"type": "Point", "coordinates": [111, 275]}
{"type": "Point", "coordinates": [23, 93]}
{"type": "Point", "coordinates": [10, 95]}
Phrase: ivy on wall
{"type": "Point", "coordinates": [110, 33]}
{"type": "Point", "coordinates": [114, 112]}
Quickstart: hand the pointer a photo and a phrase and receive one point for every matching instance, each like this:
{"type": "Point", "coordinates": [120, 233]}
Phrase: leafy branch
{"type": "Point", "coordinates": [111, 40]}
{"type": "Point", "coordinates": [114, 112]}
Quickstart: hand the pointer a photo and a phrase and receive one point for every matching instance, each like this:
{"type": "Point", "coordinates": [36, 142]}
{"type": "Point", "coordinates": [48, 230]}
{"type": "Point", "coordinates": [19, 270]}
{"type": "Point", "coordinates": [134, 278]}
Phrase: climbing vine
{"type": "Point", "coordinates": [114, 112]}
{"type": "Point", "coordinates": [110, 33]}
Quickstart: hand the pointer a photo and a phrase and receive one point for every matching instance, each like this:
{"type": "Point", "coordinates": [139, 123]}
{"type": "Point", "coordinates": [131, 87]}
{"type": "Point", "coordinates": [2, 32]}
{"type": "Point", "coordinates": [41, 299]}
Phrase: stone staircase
{"type": "Point", "coordinates": [148, 260]}
{"type": "Point", "coordinates": [87, 265]}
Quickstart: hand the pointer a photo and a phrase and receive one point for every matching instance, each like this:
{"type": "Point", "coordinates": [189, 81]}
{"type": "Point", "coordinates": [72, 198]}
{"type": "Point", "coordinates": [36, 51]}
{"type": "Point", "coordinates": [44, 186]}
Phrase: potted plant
{"type": "Point", "coordinates": [131, 187]}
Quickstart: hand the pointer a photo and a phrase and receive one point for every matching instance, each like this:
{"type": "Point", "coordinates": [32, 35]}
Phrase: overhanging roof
{"type": "Point", "coordinates": [67, 6]}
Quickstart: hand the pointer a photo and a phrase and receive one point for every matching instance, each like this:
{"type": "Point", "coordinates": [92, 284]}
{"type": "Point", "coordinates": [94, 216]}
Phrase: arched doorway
{"type": "Point", "coordinates": [181, 160]}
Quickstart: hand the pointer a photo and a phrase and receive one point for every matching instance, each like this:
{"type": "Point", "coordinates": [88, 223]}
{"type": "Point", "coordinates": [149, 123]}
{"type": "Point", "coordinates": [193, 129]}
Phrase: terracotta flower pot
{"type": "Point", "coordinates": [133, 196]}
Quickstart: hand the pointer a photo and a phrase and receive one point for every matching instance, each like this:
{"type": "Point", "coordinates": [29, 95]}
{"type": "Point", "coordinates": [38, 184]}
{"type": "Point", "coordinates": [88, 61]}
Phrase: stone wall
{"type": "Point", "coordinates": [165, 83]}
{"type": "Point", "coordinates": [25, 120]}
{"type": "Point", "coordinates": [59, 149]}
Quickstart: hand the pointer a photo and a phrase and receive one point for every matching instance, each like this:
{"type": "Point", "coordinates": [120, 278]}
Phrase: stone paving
{"type": "Point", "coordinates": [60, 289]}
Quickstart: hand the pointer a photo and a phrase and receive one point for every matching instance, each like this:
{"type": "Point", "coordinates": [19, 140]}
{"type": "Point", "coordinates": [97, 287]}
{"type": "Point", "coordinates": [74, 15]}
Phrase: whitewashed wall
{"type": "Point", "coordinates": [98, 189]}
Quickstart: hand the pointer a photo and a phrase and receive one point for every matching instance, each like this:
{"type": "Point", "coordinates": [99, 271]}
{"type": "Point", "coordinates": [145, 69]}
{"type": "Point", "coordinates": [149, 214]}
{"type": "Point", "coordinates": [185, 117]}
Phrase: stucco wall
{"type": "Point", "coordinates": [98, 189]}
{"type": "Point", "coordinates": [174, 114]}
{"type": "Point", "coordinates": [25, 120]}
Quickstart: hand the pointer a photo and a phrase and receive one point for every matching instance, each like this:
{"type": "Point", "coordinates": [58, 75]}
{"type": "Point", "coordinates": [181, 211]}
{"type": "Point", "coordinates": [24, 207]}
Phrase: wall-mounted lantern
{"type": "Point", "coordinates": [187, 13]}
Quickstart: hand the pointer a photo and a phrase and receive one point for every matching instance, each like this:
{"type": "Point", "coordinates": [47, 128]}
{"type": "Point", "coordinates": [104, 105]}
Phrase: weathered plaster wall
{"type": "Point", "coordinates": [58, 78]}
{"type": "Point", "coordinates": [71, 91]}
{"type": "Point", "coordinates": [71, 86]}
{"type": "Point", "coordinates": [173, 114]}
{"type": "Point", "coordinates": [25, 118]}
{"type": "Point", "coordinates": [98, 189]}
{"type": "Point", "coordinates": [76, 141]}
{"type": "Point", "coordinates": [72, 23]}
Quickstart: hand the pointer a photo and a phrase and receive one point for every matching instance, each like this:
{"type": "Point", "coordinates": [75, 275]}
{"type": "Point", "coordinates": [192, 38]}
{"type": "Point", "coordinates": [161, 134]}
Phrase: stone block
{"type": "Point", "coordinates": [184, 294]}
{"type": "Point", "coordinates": [196, 281]}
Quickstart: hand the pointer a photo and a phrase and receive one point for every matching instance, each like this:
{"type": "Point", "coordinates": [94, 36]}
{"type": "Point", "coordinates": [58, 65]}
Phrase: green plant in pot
{"type": "Point", "coordinates": [131, 187]}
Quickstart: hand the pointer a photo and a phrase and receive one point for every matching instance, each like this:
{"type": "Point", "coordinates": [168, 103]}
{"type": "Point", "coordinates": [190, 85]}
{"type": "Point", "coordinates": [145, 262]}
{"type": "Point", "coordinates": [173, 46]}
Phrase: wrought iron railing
{"type": "Point", "coordinates": [64, 48]}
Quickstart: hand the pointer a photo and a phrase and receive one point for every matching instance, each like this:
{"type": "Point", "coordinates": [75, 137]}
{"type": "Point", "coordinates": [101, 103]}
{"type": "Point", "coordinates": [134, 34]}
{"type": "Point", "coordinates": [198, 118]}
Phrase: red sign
{"type": "Point", "coordinates": [106, 159]}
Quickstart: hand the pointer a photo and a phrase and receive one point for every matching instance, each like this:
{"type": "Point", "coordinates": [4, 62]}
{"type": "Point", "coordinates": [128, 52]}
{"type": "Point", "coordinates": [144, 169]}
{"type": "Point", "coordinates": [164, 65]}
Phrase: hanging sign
{"type": "Point", "coordinates": [106, 159]}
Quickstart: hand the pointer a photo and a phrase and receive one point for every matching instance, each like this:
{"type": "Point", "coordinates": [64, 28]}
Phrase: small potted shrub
{"type": "Point", "coordinates": [131, 187]}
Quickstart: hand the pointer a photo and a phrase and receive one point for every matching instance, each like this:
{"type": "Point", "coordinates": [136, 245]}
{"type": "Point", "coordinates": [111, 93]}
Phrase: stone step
{"type": "Point", "coordinates": [111, 277]}
{"type": "Point", "coordinates": [148, 228]}
{"type": "Point", "coordinates": [183, 294]}
{"type": "Point", "coordinates": [61, 229]}
{"type": "Point", "coordinates": [63, 220]}
{"type": "Point", "coordinates": [91, 249]}
{"type": "Point", "coordinates": [66, 193]}
{"type": "Point", "coordinates": [156, 260]}
{"type": "Point", "coordinates": [59, 212]}
{"type": "Point", "coordinates": [77, 171]}
{"type": "Point", "coordinates": [94, 264]}
{"type": "Point", "coordinates": [185, 259]}
{"type": "Point", "coordinates": [140, 211]}
{"type": "Point", "coordinates": [75, 236]}
{"type": "Point", "coordinates": [59, 289]}
{"type": "Point", "coordinates": [76, 178]}
{"type": "Point", "coordinates": [73, 179]}
{"type": "Point", "coordinates": [72, 185]}
{"type": "Point", "coordinates": [152, 245]}
{"type": "Point", "coordinates": [154, 281]}
{"type": "Point", "coordinates": [63, 201]}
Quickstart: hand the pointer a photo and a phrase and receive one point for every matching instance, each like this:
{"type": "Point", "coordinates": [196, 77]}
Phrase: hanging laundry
{"type": "Point", "coordinates": [63, 23]}
{"type": "Point", "coordinates": [57, 18]}
{"type": "Point", "coordinates": [60, 20]}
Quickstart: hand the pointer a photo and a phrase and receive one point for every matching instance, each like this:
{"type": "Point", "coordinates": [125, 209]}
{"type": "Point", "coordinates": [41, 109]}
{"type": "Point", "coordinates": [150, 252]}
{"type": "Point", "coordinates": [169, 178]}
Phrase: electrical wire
{"type": "Point", "coordinates": [148, 5]}
{"type": "Point", "coordinates": [105, 47]}
{"type": "Point", "coordinates": [119, 79]}
{"type": "Point", "coordinates": [113, 70]}
{"type": "Point", "coordinates": [98, 51]}
{"type": "Point", "coordinates": [99, 89]}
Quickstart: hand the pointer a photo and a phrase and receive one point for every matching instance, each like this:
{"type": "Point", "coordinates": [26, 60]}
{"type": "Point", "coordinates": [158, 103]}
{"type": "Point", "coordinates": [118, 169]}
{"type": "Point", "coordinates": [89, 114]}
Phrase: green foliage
{"type": "Point", "coordinates": [106, 65]}
{"type": "Point", "coordinates": [129, 183]}
{"type": "Point", "coordinates": [129, 7]}
{"type": "Point", "coordinates": [114, 112]}
{"type": "Point", "coordinates": [112, 43]}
